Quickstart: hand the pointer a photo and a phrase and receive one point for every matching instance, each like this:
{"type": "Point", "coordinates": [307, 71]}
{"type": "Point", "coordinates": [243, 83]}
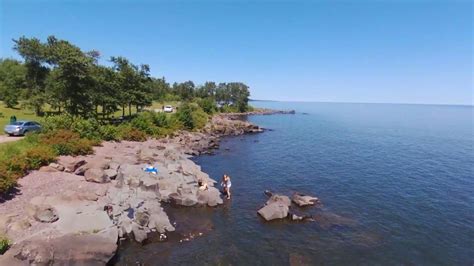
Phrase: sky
{"type": "Point", "coordinates": [393, 51]}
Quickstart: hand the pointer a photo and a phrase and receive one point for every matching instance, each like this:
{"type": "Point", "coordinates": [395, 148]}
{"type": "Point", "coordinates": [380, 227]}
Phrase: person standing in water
{"type": "Point", "coordinates": [226, 184]}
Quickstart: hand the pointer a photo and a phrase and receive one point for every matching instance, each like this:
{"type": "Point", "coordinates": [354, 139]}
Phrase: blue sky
{"type": "Point", "coordinates": [342, 51]}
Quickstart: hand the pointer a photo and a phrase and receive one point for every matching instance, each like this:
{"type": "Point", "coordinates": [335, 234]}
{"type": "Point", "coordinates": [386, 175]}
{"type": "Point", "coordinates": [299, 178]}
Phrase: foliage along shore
{"type": "Point", "coordinates": [83, 221]}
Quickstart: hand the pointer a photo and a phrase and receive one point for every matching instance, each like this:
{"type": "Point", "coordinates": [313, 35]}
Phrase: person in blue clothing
{"type": "Point", "coordinates": [226, 184]}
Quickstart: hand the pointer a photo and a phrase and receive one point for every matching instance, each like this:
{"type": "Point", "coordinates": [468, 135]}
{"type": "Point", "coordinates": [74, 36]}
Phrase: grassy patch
{"type": "Point", "coordinates": [4, 244]}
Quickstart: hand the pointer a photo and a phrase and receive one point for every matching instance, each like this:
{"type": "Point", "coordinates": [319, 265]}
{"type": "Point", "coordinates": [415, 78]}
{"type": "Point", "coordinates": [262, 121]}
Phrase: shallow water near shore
{"type": "Point", "coordinates": [396, 184]}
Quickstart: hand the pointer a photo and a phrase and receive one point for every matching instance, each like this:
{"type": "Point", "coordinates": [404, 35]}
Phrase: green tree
{"type": "Point", "coordinates": [74, 73]}
{"type": "Point", "coordinates": [12, 81]}
{"type": "Point", "coordinates": [207, 90]}
{"type": "Point", "coordinates": [34, 55]}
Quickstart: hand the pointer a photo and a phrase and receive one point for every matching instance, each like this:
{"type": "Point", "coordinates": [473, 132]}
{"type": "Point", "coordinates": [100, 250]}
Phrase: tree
{"type": "Point", "coordinates": [239, 95]}
{"type": "Point", "coordinates": [33, 52]}
{"type": "Point", "coordinates": [12, 81]}
{"type": "Point", "coordinates": [134, 84]}
{"type": "Point", "coordinates": [159, 88]}
{"type": "Point", "coordinates": [185, 90]}
{"type": "Point", "coordinates": [73, 72]}
{"type": "Point", "coordinates": [207, 90]}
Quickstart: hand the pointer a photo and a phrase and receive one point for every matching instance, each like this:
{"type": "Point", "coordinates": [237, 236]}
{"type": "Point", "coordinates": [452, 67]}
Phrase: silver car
{"type": "Point", "coordinates": [21, 128]}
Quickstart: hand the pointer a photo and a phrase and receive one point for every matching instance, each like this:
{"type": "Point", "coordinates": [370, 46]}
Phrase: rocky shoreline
{"type": "Point", "coordinates": [78, 209]}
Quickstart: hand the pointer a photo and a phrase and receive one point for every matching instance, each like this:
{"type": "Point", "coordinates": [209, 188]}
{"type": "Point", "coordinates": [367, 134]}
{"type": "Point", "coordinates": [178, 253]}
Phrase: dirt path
{"type": "Point", "coordinates": [5, 138]}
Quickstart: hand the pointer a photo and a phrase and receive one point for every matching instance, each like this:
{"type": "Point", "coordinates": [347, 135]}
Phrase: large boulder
{"type": "Point", "coordinates": [277, 207]}
{"type": "Point", "coordinates": [211, 197]}
{"type": "Point", "coordinates": [96, 175]}
{"type": "Point", "coordinates": [304, 200]}
{"type": "Point", "coordinates": [70, 163]}
{"type": "Point", "coordinates": [160, 222]}
{"type": "Point", "coordinates": [276, 210]}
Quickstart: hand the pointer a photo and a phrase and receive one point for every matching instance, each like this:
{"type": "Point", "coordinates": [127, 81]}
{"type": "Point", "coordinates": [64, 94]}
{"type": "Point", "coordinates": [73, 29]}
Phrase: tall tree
{"type": "Point", "coordinates": [34, 54]}
{"type": "Point", "coordinates": [12, 81]}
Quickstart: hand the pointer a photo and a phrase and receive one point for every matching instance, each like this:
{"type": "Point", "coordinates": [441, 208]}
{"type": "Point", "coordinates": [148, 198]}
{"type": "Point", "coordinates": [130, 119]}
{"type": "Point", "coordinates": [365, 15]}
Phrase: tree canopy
{"type": "Point", "coordinates": [59, 74]}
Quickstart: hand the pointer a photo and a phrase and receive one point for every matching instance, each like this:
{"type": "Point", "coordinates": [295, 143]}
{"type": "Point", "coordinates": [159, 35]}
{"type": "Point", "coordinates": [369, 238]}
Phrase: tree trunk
{"type": "Point", "coordinates": [123, 110]}
{"type": "Point", "coordinates": [130, 109]}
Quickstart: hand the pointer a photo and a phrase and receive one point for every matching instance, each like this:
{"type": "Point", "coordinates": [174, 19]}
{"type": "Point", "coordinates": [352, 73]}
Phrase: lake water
{"type": "Point", "coordinates": [396, 184]}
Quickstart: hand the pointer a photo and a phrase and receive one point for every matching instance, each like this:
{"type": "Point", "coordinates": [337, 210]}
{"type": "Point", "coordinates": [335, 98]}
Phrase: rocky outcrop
{"type": "Point", "coordinates": [277, 207]}
{"type": "Point", "coordinates": [304, 200]}
{"type": "Point", "coordinates": [73, 249]}
{"type": "Point", "coordinates": [114, 197]}
{"type": "Point", "coordinates": [70, 163]}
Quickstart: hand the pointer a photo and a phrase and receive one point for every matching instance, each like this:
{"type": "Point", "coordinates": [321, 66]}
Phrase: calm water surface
{"type": "Point", "coordinates": [396, 182]}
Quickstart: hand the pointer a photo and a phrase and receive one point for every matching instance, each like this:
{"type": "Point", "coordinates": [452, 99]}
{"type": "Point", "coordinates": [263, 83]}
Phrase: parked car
{"type": "Point", "coordinates": [21, 128]}
{"type": "Point", "coordinates": [168, 109]}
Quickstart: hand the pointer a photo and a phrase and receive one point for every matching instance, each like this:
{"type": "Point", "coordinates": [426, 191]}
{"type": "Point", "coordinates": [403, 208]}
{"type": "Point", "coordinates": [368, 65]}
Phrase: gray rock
{"type": "Point", "coordinates": [96, 175]}
{"type": "Point", "coordinates": [142, 218]}
{"type": "Point", "coordinates": [161, 223]}
{"type": "Point", "coordinates": [210, 197]}
{"type": "Point", "coordinates": [111, 173]}
{"type": "Point", "coordinates": [70, 163]}
{"type": "Point", "coordinates": [42, 213]}
{"type": "Point", "coordinates": [56, 166]}
{"type": "Point", "coordinates": [275, 210]}
{"type": "Point", "coordinates": [303, 200]}
{"type": "Point", "coordinates": [19, 226]}
{"type": "Point", "coordinates": [277, 207]}
{"type": "Point", "coordinates": [139, 233]}
{"type": "Point", "coordinates": [71, 249]}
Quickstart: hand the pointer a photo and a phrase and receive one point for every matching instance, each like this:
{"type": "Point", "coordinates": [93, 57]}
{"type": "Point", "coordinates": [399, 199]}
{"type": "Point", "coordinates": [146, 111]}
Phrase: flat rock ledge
{"type": "Point", "coordinates": [76, 210]}
{"type": "Point", "coordinates": [278, 206]}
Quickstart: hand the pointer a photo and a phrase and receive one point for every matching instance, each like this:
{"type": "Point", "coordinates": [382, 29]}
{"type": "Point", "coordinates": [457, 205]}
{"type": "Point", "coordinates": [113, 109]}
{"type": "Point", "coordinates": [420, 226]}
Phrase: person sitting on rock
{"type": "Point", "coordinates": [226, 184]}
{"type": "Point", "coordinates": [202, 185]}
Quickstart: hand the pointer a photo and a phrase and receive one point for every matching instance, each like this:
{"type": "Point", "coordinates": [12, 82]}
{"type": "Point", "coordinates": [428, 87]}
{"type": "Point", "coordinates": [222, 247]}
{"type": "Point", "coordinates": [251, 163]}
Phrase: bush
{"type": "Point", "coordinates": [39, 156]}
{"type": "Point", "coordinates": [145, 122]}
{"type": "Point", "coordinates": [109, 133]}
{"type": "Point", "coordinates": [86, 128]}
{"type": "Point", "coordinates": [191, 116]}
{"type": "Point", "coordinates": [52, 123]}
{"type": "Point", "coordinates": [208, 105]}
{"type": "Point", "coordinates": [185, 116]}
{"type": "Point", "coordinates": [132, 134]}
{"type": "Point", "coordinates": [161, 120]}
{"type": "Point", "coordinates": [66, 142]}
{"type": "Point", "coordinates": [4, 244]}
{"type": "Point", "coordinates": [7, 177]}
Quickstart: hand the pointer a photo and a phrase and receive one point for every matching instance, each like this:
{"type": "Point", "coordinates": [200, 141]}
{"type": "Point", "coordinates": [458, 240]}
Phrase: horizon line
{"type": "Point", "coordinates": [400, 103]}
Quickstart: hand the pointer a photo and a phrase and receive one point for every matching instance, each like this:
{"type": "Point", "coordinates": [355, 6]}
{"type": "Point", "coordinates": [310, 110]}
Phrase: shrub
{"type": "Point", "coordinates": [191, 116]}
{"type": "Point", "coordinates": [4, 244]}
{"type": "Point", "coordinates": [161, 120]}
{"type": "Point", "coordinates": [185, 116]}
{"type": "Point", "coordinates": [145, 122]}
{"type": "Point", "coordinates": [57, 122]}
{"type": "Point", "coordinates": [66, 142]}
{"type": "Point", "coordinates": [39, 156]}
{"type": "Point", "coordinates": [208, 105]}
{"type": "Point", "coordinates": [109, 133]}
{"type": "Point", "coordinates": [7, 178]}
{"type": "Point", "coordinates": [86, 128]}
{"type": "Point", "coordinates": [132, 134]}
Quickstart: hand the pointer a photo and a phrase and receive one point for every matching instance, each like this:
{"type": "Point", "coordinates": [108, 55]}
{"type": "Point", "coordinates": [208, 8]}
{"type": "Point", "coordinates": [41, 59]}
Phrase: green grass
{"type": "Point", "coordinates": [21, 114]}
{"type": "Point", "coordinates": [24, 114]}
{"type": "Point", "coordinates": [10, 149]}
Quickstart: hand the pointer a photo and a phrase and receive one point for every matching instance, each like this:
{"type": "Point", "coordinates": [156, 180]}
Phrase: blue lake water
{"type": "Point", "coordinates": [396, 184]}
